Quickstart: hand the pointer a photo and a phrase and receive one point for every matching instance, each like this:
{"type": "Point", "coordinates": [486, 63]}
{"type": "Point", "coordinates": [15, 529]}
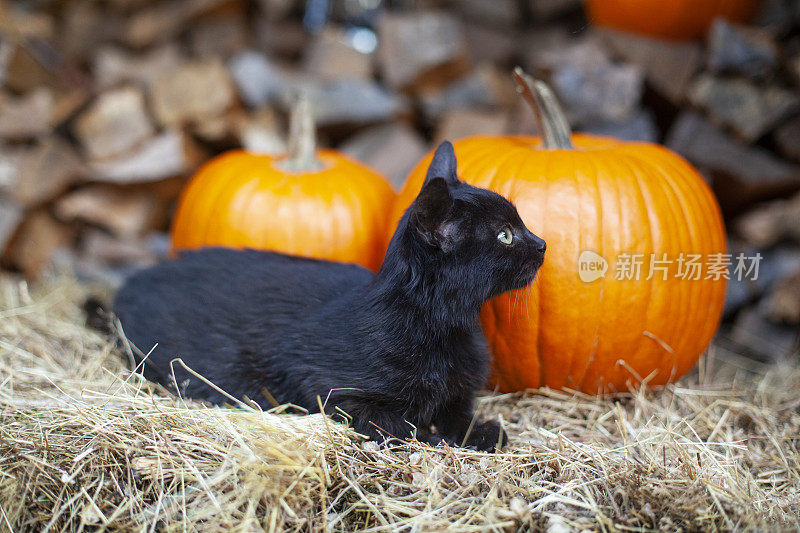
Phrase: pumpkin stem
{"type": "Point", "coordinates": [302, 137]}
{"type": "Point", "coordinates": [552, 124]}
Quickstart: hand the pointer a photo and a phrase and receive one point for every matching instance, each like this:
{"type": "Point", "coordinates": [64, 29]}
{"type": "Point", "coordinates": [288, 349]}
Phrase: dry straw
{"type": "Point", "coordinates": [84, 445]}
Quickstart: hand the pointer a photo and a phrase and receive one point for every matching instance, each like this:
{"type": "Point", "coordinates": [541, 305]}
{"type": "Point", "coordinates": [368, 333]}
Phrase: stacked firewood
{"type": "Point", "coordinates": [107, 107]}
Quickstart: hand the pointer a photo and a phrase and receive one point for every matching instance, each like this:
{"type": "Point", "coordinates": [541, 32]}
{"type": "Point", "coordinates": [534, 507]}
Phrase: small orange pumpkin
{"type": "Point", "coordinates": [313, 203]}
{"type": "Point", "coordinates": [594, 200]}
{"type": "Point", "coordinates": [669, 19]}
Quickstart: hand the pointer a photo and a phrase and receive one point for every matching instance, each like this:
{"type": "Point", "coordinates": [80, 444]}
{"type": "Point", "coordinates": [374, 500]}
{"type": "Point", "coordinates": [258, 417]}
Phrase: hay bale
{"type": "Point", "coordinates": [84, 443]}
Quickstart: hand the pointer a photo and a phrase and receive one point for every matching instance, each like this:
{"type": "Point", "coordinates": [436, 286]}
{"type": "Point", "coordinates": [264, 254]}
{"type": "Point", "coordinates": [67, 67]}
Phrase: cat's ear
{"type": "Point", "coordinates": [443, 164]}
{"type": "Point", "coordinates": [432, 206]}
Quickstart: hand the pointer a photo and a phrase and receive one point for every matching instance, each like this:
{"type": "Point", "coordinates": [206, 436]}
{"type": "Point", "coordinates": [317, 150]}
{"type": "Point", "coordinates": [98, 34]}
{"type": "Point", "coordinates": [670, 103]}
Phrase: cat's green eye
{"type": "Point", "coordinates": [506, 236]}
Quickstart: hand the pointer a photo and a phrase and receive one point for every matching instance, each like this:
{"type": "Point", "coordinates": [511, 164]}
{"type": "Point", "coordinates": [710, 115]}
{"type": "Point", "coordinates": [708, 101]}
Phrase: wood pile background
{"type": "Point", "coordinates": [107, 107]}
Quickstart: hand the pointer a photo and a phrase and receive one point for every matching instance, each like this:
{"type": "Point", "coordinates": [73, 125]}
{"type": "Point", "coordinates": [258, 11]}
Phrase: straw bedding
{"type": "Point", "coordinates": [85, 445]}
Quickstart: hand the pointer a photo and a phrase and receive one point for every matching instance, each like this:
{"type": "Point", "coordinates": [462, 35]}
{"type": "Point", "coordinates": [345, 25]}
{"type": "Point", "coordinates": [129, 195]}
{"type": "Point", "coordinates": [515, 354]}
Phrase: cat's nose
{"type": "Point", "coordinates": [539, 244]}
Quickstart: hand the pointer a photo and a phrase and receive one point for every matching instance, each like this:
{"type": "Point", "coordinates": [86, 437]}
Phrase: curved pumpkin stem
{"type": "Point", "coordinates": [302, 137]}
{"type": "Point", "coordinates": [552, 123]}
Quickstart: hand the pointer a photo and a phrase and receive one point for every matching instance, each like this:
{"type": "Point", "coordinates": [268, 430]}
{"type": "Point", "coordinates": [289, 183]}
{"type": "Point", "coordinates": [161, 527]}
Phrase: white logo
{"type": "Point", "coordinates": [591, 266]}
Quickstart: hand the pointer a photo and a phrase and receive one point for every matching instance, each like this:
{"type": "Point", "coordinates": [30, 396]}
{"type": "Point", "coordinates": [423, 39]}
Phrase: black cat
{"type": "Point", "coordinates": [401, 352]}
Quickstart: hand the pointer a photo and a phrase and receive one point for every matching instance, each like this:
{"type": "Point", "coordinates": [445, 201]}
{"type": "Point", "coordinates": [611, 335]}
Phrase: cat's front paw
{"type": "Point", "coordinates": [487, 436]}
{"type": "Point", "coordinates": [435, 440]}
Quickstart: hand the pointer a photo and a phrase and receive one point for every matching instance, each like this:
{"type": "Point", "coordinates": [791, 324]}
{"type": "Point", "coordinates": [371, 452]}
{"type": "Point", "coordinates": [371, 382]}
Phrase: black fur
{"type": "Point", "coordinates": [400, 352]}
{"type": "Point", "coordinates": [97, 316]}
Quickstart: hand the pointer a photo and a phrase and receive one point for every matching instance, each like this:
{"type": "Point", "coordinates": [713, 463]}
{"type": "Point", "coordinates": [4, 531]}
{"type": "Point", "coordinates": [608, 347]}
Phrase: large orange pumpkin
{"type": "Point", "coordinates": [668, 19]}
{"type": "Point", "coordinates": [595, 197]}
{"type": "Point", "coordinates": [314, 203]}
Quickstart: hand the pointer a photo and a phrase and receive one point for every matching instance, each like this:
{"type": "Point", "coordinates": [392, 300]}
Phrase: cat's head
{"type": "Point", "coordinates": [473, 238]}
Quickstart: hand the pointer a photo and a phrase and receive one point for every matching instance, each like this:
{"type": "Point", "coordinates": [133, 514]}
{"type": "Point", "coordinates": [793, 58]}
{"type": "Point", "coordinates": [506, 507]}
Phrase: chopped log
{"type": "Point", "coordinates": [219, 130]}
{"type": "Point", "coordinates": [170, 153]}
{"type": "Point", "coordinates": [103, 258]}
{"type": "Point", "coordinates": [503, 13]}
{"type": "Point", "coordinates": [391, 149]}
{"type": "Point", "coordinates": [127, 6]}
{"type": "Point", "coordinates": [668, 66]}
{"type": "Point", "coordinates": [113, 66]}
{"type": "Point", "coordinates": [164, 20]}
{"type": "Point", "coordinates": [20, 70]}
{"type": "Point", "coordinates": [546, 10]}
{"type": "Point", "coordinates": [639, 127]}
{"type": "Point", "coordinates": [115, 123]}
{"type": "Point", "coordinates": [351, 101]}
{"type": "Point", "coordinates": [35, 62]}
{"type": "Point", "coordinates": [10, 217]}
{"type": "Point", "coordinates": [588, 83]}
{"type": "Point", "coordinates": [483, 88]}
{"type": "Point", "coordinates": [770, 223]}
{"type": "Point", "coordinates": [257, 79]}
{"type": "Point", "coordinates": [782, 304]}
{"type": "Point", "coordinates": [29, 23]}
{"type": "Point", "coordinates": [757, 336]}
{"type": "Point", "coordinates": [35, 242]}
{"type": "Point", "coordinates": [275, 10]}
{"type": "Point", "coordinates": [36, 174]}
{"type": "Point", "coordinates": [24, 72]}
{"type": "Point", "coordinates": [261, 133]}
{"type": "Point", "coordinates": [421, 48]}
{"type": "Point", "coordinates": [331, 56]}
{"type": "Point", "coordinates": [787, 139]}
{"type": "Point", "coordinates": [27, 116]}
{"type": "Point", "coordinates": [67, 103]}
{"type": "Point", "coordinates": [87, 26]}
{"type": "Point", "coordinates": [125, 212]}
{"type": "Point", "coordinates": [761, 227]}
{"type": "Point", "coordinates": [750, 110]}
{"type": "Point", "coordinates": [741, 49]}
{"type": "Point", "coordinates": [219, 36]}
{"type": "Point", "coordinates": [491, 45]}
{"type": "Point", "coordinates": [239, 128]}
{"type": "Point", "coordinates": [286, 39]}
{"type": "Point", "coordinates": [779, 16]}
{"type": "Point", "coordinates": [166, 190]}
{"type": "Point", "coordinates": [791, 218]}
{"type": "Point", "coordinates": [196, 91]}
{"type": "Point", "coordinates": [546, 49]}
{"type": "Point", "coordinates": [598, 91]}
{"type": "Point", "coordinates": [793, 66]}
{"type": "Point", "coordinates": [101, 247]}
{"type": "Point", "coordinates": [776, 264]}
{"type": "Point", "coordinates": [261, 82]}
{"type": "Point", "coordinates": [743, 174]}
{"type": "Point", "coordinates": [458, 123]}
